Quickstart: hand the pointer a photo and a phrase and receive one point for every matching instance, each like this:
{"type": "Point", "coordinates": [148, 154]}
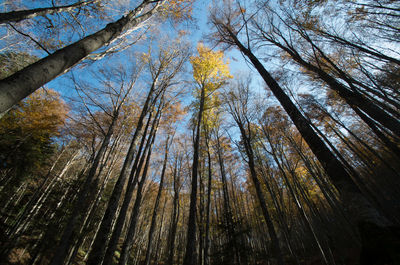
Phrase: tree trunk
{"type": "Point", "coordinates": [128, 242]}
{"type": "Point", "coordinates": [364, 49]}
{"type": "Point", "coordinates": [263, 204]}
{"type": "Point", "coordinates": [227, 206]}
{"type": "Point", "coordinates": [83, 201]}
{"type": "Point", "coordinates": [24, 82]}
{"type": "Point", "coordinates": [157, 202]}
{"type": "Point", "coordinates": [175, 212]}
{"type": "Point", "coordinates": [100, 244]}
{"type": "Point", "coordinates": [353, 98]}
{"type": "Point", "coordinates": [17, 16]}
{"type": "Point", "coordinates": [208, 206]}
{"type": "Point", "coordinates": [132, 181]}
{"type": "Point", "coordinates": [190, 255]}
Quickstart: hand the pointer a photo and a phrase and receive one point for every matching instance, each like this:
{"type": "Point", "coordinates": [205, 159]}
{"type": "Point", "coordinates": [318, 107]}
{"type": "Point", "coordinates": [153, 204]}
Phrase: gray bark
{"type": "Point", "coordinates": [24, 82]}
{"type": "Point", "coordinates": [17, 16]}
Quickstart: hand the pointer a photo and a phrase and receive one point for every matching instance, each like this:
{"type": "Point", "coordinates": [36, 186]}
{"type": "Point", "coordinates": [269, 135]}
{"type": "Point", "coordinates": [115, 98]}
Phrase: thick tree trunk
{"type": "Point", "coordinates": [24, 82]}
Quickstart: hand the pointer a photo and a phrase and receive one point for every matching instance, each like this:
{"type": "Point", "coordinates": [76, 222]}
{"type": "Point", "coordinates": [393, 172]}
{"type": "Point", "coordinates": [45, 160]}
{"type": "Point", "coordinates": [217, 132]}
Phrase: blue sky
{"type": "Point", "coordinates": [196, 34]}
{"type": "Point", "coordinates": [63, 83]}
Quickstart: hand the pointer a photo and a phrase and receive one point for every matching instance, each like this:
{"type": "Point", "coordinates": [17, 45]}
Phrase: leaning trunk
{"type": "Point", "coordinates": [24, 82]}
{"type": "Point", "coordinates": [100, 243]}
{"type": "Point", "coordinates": [83, 201]}
{"type": "Point", "coordinates": [368, 219]}
{"type": "Point", "coordinates": [16, 16]}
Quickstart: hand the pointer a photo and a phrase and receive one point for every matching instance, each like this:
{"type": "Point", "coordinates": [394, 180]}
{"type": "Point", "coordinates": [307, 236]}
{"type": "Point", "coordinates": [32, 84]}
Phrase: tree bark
{"type": "Point", "coordinates": [24, 82]}
{"type": "Point", "coordinates": [208, 206]}
{"type": "Point", "coordinates": [128, 242]}
{"type": "Point", "coordinates": [175, 211]}
{"type": "Point", "coordinates": [157, 202]}
{"type": "Point", "coordinates": [365, 215]}
{"type": "Point", "coordinates": [132, 181]}
{"type": "Point", "coordinates": [17, 16]}
{"type": "Point", "coordinates": [100, 244]}
{"type": "Point", "coordinates": [190, 255]}
{"type": "Point", "coordinates": [257, 185]}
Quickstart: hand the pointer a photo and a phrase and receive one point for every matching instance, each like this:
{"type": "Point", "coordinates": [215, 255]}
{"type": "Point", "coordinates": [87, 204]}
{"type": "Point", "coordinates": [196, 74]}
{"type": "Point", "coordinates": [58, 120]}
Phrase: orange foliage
{"type": "Point", "coordinates": [178, 10]}
{"type": "Point", "coordinates": [42, 112]}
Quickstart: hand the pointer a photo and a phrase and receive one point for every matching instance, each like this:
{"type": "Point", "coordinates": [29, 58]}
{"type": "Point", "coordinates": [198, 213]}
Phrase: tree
{"type": "Point", "coordinates": [210, 72]}
{"type": "Point", "coordinates": [28, 133]}
{"type": "Point", "coordinates": [163, 69]}
{"type": "Point", "coordinates": [16, 16]}
{"type": "Point", "coordinates": [237, 101]}
{"type": "Point", "coordinates": [19, 85]}
{"type": "Point", "coordinates": [154, 162]}
{"type": "Point", "coordinates": [367, 217]}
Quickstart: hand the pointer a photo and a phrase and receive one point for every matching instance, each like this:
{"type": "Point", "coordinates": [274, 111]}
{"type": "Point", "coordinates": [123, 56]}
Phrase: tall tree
{"type": "Point", "coordinates": [367, 217]}
{"type": "Point", "coordinates": [210, 73]}
{"type": "Point", "coordinates": [21, 84]}
{"type": "Point", "coordinates": [238, 105]}
{"type": "Point", "coordinates": [164, 68]}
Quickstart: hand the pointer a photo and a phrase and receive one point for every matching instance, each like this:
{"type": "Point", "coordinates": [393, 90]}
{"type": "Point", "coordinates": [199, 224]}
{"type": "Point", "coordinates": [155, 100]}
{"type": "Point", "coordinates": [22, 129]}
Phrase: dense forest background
{"type": "Point", "coordinates": [138, 132]}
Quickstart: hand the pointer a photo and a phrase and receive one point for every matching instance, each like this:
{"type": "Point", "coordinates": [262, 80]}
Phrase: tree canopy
{"type": "Point", "coordinates": [199, 132]}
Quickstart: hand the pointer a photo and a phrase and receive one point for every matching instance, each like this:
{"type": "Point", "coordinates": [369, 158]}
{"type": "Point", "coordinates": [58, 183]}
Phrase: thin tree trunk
{"type": "Point", "coordinates": [83, 201]}
{"type": "Point", "coordinates": [157, 202]}
{"type": "Point", "coordinates": [369, 220]}
{"type": "Point", "coordinates": [128, 242]}
{"type": "Point", "coordinates": [227, 206]}
{"type": "Point", "coordinates": [263, 204]}
{"type": "Point", "coordinates": [190, 255]}
{"type": "Point", "coordinates": [353, 98]}
{"type": "Point", "coordinates": [98, 251]}
{"type": "Point", "coordinates": [132, 181]}
{"type": "Point", "coordinates": [17, 16]}
{"type": "Point", "coordinates": [175, 212]}
{"type": "Point", "coordinates": [208, 206]}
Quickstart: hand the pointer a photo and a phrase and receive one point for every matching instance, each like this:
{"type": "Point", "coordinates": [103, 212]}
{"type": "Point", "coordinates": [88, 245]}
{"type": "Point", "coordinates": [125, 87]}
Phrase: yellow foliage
{"type": "Point", "coordinates": [178, 10]}
{"type": "Point", "coordinates": [42, 112]}
{"type": "Point", "coordinates": [210, 72]}
{"type": "Point", "coordinates": [209, 68]}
